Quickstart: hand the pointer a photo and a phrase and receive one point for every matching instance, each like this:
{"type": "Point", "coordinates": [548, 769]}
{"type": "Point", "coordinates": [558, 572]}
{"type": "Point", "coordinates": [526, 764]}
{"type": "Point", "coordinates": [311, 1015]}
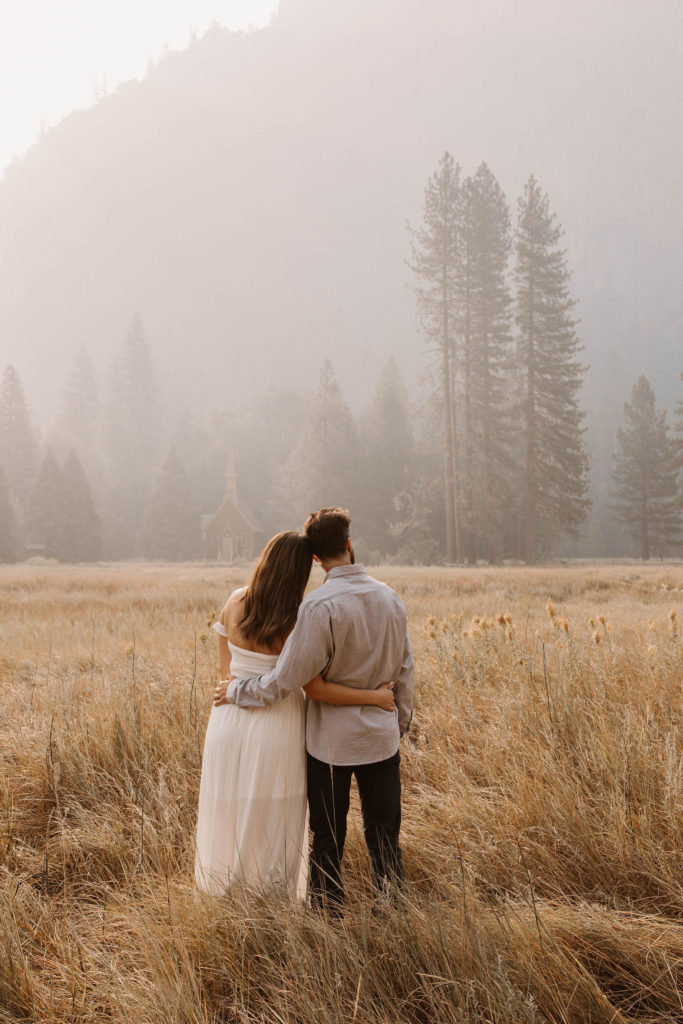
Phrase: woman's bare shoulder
{"type": "Point", "coordinates": [233, 605]}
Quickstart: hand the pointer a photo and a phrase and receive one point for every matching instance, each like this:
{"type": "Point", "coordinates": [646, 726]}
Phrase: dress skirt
{"type": "Point", "coordinates": [252, 827]}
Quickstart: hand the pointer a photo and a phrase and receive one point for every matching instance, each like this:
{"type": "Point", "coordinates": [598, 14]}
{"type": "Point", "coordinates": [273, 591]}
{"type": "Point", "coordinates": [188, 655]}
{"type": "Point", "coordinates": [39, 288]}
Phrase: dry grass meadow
{"type": "Point", "coordinates": [543, 810]}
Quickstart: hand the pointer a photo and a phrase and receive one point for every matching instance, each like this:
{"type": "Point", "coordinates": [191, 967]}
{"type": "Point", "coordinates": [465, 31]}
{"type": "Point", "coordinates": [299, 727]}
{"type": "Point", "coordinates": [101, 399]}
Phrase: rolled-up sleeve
{"type": "Point", "coordinates": [307, 652]}
{"type": "Point", "coordinates": [403, 690]}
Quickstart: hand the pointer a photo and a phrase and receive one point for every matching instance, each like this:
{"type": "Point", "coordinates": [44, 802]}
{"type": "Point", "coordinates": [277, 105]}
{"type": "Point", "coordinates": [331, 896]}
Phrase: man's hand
{"type": "Point", "coordinates": [220, 691]}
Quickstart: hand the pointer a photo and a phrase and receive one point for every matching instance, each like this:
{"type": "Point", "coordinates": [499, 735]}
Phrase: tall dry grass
{"type": "Point", "coordinates": [543, 808]}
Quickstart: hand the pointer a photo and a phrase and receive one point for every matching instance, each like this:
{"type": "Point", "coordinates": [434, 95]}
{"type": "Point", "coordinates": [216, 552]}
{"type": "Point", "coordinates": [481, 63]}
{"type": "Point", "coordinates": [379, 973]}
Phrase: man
{"type": "Point", "coordinates": [353, 629]}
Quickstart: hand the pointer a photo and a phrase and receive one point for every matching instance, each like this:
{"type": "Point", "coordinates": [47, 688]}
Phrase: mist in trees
{"type": "Point", "coordinates": [678, 441]}
{"type": "Point", "coordinates": [435, 262]}
{"type": "Point", "coordinates": [325, 468]}
{"type": "Point", "coordinates": [646, 469]}
{"type": "Point", "coordinates": [260, 238]}
{"type": "Point", "coordinates": [554, 477]}
{"type": "Point", "coordinates": [82, 538]}
{"type": "Point", "coordinates": [46, 509]}
{"type": "Point", "coordinates": [388, 463]}
{"type": "Point", "coordinates": [172, 530]}
{"type": "Point", "coordinates": [61, 519]}
{"type": "Point", "coordinates": [10, 540]}
{"type": "Point", "coordinates": [18, 445]}
{"type": "Point", "coordinates": [482, 459]}
{"type": "Point", "coordinates": [131, 438]}
{"type": "Point", "coordinates": [507, 369]}
{"type": "Point", "coordinates": [486, 366]}
{"type": "Point", "coordinates": [81, 416]}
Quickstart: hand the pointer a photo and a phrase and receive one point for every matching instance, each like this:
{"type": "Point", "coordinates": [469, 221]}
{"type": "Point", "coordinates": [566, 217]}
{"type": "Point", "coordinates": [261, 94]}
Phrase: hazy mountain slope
{"type": "Point", "coordinates": [250, 196]}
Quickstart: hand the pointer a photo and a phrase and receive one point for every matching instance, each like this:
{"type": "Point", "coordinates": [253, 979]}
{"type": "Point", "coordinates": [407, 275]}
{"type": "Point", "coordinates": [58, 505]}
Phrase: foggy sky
{"type": "Point", "coordinates": [250, 197]}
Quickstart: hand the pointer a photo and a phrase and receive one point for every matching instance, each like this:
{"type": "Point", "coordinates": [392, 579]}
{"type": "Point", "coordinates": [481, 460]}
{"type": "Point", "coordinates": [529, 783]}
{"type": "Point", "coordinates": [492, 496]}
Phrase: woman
{"type": "Point", "coordinates": [252, 824]}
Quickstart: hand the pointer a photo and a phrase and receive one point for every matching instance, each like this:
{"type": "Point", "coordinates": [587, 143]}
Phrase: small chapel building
{"type": "Point", "coordinates": [232, 533]}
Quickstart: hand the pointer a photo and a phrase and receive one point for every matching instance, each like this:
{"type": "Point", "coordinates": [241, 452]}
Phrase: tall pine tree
{"type": "Point", "coordinates": [411, 526]}
{"type": "Point", "coordinates": [131, 441]}
{"type": "Point", "coordinates": [82, 533]}
{"type": "Point", "coordinates": [46, 519]}
{"type": "Point", "coordinates": [18, 446]}
{"type": "Point", "coordinates": [387, 437]}
{"type": "Point", "coordinates": [323, 469]}
{"type": "Point", "coordinates": [203, 454]}
{"type": "Point", "coordinates": [435, 261]}
{"type": "Point", "coordinates": [678, 447]}
{"type": "Point", "coordinates": [555, 464]}
{"type": "Point", "coordinates": [172, 528]}
{"type": "Point", "coordinates": [484, 320]}
{"type": "Point", "coordinates": [645, 474]}
{"type": "Point", "coordinates": [80, 416]}
{"type": "Point", "coordinates": [10, 545]}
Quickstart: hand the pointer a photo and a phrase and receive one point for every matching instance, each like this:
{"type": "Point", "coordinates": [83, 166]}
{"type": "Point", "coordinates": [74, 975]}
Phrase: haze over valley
{"type": "Point", "coordinates": [248, 202]}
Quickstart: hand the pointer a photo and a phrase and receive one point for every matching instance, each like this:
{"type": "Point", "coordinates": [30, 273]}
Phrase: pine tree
{"type": "Point", "coordinates": [265, 434]}
{"type": "Point", "coordinates": [645, 474]}
{"type": "Point", "coordinates": [414, 538]}
{"type": "Point", "coordinates": [46, 513]}
{"type": "Point", "coordinates": [172, 529]}
{"type": "Point", "coordinates": [435, 262]}
{"type": "Point", "coordinates": [10, 546]}
{"type": "Point", "coordinates": [602, 535]}
{"type": "Point", "coordinates": [484, 327]}
{"type": "Point", "coordinates": [324, 468]}
{"type": "Point", "coordinates": [555, 464]}
{"type": "Point", "coordinates": [81, 402]}
{"type": "Point", "coordinates": [426, 481]}
{"type": "Point", "coordinates": [203, 455]}
{"type": "Point", "coordinates": [82, 533]}
{"type": "Point", "coordinates": [678, 446]}
{"type": "Point", "coordinates": [18, 447]}
{"type": "Point", "coordinates": [131, 439]}
{"type": "Point", "coordinates": [388, 440]}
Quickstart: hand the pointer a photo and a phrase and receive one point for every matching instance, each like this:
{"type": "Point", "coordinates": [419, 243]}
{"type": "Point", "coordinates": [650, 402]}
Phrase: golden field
{"type": "Point", "coordinates": [543, 809]}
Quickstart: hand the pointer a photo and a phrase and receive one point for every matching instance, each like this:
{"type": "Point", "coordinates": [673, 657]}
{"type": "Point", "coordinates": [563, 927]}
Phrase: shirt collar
{"type": "Point", "coordinates": [345, 570]}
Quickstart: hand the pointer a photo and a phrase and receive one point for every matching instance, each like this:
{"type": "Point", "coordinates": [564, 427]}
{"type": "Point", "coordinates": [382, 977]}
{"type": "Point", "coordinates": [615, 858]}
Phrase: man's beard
{"type": "Point", "coordinates": [352, 553]}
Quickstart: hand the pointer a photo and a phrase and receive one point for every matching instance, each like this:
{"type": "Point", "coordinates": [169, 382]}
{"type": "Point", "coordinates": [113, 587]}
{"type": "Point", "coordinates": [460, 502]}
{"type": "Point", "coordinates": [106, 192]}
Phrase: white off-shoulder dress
{"type": "Point", "coordinates": [252, 826]}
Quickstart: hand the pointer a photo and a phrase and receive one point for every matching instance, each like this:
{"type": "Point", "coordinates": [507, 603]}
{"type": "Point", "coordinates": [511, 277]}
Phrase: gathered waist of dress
{"type": "Point", "coordinates": [244, 662]}
{"type": "Point", "coordinates": [249, 663]}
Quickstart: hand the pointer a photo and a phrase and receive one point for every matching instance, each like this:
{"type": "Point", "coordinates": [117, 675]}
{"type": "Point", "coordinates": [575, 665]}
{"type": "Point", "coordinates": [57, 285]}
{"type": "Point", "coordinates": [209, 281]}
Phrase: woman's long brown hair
{"type": "Point", "coordinates": [276, 589]}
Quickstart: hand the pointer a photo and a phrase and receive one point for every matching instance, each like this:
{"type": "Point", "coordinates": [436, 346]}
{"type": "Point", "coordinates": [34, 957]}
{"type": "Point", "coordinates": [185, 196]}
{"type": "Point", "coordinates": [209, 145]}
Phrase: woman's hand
{"type": "Point", "coordinates": [220, 691]}
{"type": "Point", "coordinates": [384, 695]}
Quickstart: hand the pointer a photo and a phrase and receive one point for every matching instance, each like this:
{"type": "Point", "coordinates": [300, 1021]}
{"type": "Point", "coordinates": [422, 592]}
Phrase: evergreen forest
{"type": "Point", "coordinates": [484, 459]}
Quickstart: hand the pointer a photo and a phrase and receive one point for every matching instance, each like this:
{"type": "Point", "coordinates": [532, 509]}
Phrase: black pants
{"type": "Point", "coordinates": [329, 788]}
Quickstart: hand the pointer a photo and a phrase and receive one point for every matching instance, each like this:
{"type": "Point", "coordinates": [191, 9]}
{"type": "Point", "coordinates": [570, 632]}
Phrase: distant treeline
{"type": "Point", "coordinates": [491, 466]}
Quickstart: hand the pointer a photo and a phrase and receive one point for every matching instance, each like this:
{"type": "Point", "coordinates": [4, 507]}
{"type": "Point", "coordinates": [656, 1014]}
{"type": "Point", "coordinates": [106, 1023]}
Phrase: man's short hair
{"type": "Point", "coordinates": [328, 531]}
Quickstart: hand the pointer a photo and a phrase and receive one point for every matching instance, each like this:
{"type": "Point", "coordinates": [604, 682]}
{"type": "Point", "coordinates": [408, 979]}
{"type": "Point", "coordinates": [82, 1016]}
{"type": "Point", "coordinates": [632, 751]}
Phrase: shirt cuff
{"type": "Point", "coordinates": [230, 692]}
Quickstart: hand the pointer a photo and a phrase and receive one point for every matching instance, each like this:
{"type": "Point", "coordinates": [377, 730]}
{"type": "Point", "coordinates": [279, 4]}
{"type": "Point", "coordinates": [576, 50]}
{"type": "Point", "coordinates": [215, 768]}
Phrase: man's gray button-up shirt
{"type": "Point", "coordinates": [353, 630]}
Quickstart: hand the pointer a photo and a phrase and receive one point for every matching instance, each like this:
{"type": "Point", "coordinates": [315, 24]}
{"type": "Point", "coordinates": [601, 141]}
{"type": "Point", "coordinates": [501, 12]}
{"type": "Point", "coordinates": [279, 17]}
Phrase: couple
{"type": "Point", "coordinates": [267, 747]}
